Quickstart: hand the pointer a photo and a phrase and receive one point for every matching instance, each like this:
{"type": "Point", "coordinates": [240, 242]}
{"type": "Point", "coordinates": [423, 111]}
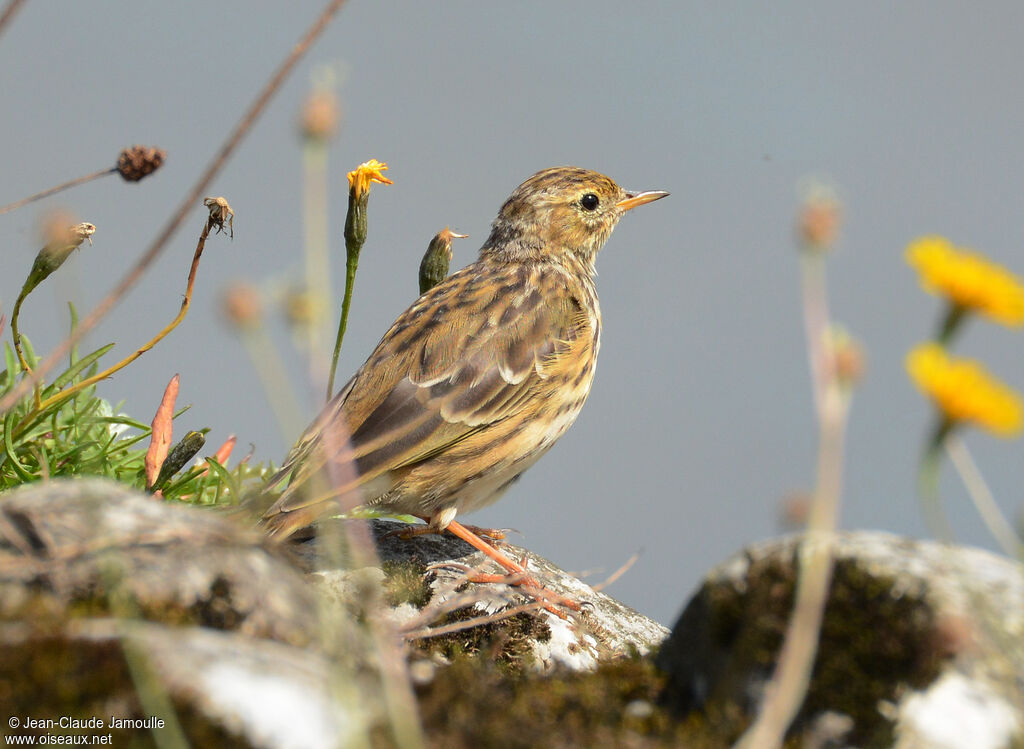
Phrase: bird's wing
{"type": "Point", "coordinates": [467, 354]}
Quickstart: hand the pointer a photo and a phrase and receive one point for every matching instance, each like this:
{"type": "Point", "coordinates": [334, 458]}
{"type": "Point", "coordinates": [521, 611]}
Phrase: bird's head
{"type": "Point", "coordinates": [561, 210]}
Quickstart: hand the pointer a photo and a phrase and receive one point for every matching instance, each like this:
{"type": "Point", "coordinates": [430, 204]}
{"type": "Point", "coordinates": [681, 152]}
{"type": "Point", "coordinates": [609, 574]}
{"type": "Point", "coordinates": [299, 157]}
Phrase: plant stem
{"type": "Point", "coordinates": [355, 237]}
{"type": "Point", "coordinates": [928, 482]}
{"type": "Point", "coordinates": [58, 188]}
{"type": "Point", "coordinates": [1000, 528]}
{"type": "Point", "coordinates": [12, 7]}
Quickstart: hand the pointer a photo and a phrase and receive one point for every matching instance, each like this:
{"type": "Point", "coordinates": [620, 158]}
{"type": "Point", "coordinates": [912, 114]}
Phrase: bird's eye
{"type": "Point", "coordinates": [589, 201]}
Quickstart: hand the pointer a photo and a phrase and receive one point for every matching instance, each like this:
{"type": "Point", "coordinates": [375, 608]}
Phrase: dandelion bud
{"type": "Point", "coordinates": [179, 456]}
{"type": "Point", "coordinates": [437, 260]}
{"type": "Point", "coordinates": [61, 241]}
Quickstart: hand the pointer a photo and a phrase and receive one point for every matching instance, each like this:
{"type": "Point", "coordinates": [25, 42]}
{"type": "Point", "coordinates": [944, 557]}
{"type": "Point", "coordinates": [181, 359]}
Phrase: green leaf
{"type": "Point", "coordinates": [13, 367]}
{"type": "Point", "coordinates": [30, 354]}
{"type": "Point", "coordinates": [73, 354]}
{"type": "Point", "coordinates": [9, 448]}
{"type": "Point", "coordinates": [120, 420]}
{"type": "Point", "coordinates": [229, 482]}
{"type": "Point", "coordinates": [68, 375]}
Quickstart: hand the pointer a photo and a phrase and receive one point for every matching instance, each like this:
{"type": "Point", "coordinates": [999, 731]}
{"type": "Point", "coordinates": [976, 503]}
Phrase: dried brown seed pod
{"type": "Point", "coordinates": [139, 161]}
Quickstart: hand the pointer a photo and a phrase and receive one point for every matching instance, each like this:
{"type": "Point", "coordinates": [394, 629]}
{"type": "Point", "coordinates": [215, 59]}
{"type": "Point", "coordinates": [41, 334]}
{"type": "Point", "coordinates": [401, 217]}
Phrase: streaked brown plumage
{"type": "Point", "coordinates": [480, 376]}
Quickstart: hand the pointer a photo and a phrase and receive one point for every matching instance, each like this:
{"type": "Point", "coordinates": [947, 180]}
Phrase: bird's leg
{"type": "Point", "coordinates": [547, 598]}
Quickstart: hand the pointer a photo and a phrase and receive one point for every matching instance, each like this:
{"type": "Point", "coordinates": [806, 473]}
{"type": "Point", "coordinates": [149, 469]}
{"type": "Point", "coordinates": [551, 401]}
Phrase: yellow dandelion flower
{"type": "Point", "coordinates": [369, 171]}
{"type": "Point", "coordinates": [969, 280]}
{"type": "Point", "coordinates": [964, 391]}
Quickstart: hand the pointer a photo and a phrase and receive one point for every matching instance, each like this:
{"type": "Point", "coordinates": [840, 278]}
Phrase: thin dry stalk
{"type": "Point", "coordinates": [452, 600]}
{"type": "Point", "coordinates": [192, 196]}
{"type": "Point", "coordinates": [480, 621]}
{"type": "Point", "coordinates": [618, 573]}
{"type": "Point", "coordinates": [57, 188]}
{"type": "Point", "coordinates": [12, 7]}
{"type": "Point", "coordinates": [977, 488]}
{"type": "Point", "coordinates": [785, 693]}
{"type": "Point", "coordinates": [396, 683]}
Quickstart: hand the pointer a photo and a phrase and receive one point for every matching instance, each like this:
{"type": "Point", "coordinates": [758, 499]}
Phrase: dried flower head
{"type": "Point", "coordinates": [848, 360]}
{"type": "Point", "coordinates": [369, 171]}
{"type": "Point", "coordinates": [220, 213]}
{"type": "Point", "coordinates": [970, 281]}
{"type": "Point", "coordinates": [320, 116]}
{"type": "Point", "coordinates": [819, 218]}
{"type": "Point", "coordinates": [302, 308]}
{"type": "Point", "coordinates": [139, 161]}
{"type": "Point", "coordinates": [242, 305]}
{"type": "Point", "coordinates": [964, 391]}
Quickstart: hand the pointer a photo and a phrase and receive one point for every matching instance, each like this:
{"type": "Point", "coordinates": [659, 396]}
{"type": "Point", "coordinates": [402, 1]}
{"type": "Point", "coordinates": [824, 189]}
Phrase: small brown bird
{"type": "Point", "coordinates": [478, 378]}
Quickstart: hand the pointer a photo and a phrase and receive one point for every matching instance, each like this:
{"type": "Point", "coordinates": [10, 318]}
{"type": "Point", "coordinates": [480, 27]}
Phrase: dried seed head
{"type": "Point", "coordinates": [220, 213]}
{"type": "Point", "coordinates": [139, 161]}
{"type": "Point", "coordinates": [302, 308]}
{"type": "Point", "coordinates": [320, 116]}
{"type": "Point", "coordinates": [242, 305]}
{"type": "Point", "coordinates": [794, 509]}
{"type": "Point", "coordinates": [819, 217]}
{"type": "Point", "coordinates": [848, 358]}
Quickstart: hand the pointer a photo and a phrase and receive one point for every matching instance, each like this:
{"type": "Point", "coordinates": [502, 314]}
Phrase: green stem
{"type": "Point", "coordinates": [16, 334]}
{"type": "Point", "coordinates": [928, 482]}
{"type": "Point", "coordinates": [950, 324]}
{"type": "Point", "coordinates": [355, 237]}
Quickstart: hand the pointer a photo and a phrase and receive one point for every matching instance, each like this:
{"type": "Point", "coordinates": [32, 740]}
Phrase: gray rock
{"type": "Point", "coordinates": [603, 629]}
{"type": "Point", "coordinates": [97, 547]}
{"type": "Point", "coordinates": [212, 688]}
{"type": "Point", "coordinates": [917, 635]}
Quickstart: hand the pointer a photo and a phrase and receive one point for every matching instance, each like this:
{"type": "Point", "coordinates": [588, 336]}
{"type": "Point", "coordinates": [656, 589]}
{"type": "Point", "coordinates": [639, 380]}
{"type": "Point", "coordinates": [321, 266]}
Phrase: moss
{"type": "Point", "coordinates": [52, 677]}
{"type": "Point", "coordinates": [507, 643]}
{"type": "Point", "coordinates": [872, 645]}
{"type": "Point", "coordinates": [474, 703]}
{"type": "Point", "coordinates": [406, 582]}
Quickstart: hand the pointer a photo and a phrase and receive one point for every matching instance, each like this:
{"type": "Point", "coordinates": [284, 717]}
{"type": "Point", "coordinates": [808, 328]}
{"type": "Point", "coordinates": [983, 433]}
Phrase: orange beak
{"type": "Point", "coordinates": [633, 199]}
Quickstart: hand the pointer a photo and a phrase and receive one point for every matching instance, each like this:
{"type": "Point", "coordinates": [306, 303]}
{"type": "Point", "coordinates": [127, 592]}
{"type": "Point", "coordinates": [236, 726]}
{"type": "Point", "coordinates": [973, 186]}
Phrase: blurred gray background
{"type": "Point", "coordinates": [700, 419]}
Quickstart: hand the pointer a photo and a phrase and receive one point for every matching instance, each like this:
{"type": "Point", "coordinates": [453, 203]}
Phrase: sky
{"type": "Point", "coordinates": [700, 419]}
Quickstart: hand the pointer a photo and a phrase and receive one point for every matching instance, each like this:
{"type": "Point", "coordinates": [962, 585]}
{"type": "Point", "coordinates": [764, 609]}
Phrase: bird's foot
{"type": "Point", "coordinates": [518, 574]}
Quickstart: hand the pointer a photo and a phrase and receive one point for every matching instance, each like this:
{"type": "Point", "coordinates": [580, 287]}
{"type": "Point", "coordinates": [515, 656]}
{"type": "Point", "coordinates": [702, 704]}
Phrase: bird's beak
{"type": "Point", "coordinates": [633, 199]}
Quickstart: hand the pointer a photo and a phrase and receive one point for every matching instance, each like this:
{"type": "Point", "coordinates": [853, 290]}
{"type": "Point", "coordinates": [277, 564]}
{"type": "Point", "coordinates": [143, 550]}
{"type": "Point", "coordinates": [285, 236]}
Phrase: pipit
{"type": "Point", "coordinates": [477, 379]}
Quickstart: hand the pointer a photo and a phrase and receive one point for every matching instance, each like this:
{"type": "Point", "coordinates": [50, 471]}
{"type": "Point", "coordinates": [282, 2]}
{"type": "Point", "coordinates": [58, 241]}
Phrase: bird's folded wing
{"type": "Point", "coordinates": [469, 353]}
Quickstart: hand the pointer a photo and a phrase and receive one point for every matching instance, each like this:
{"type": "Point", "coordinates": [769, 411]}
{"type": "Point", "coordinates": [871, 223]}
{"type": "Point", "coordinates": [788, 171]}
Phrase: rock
{"type": "Point", "coordinates": [116, 604]}
{"type": "Point", "coordinates": [915, 632]}
{"type": "Point", "coordinates": [604, 629]}
{"type": "Point", "coordinates": [211, 688]}
{"type": "Point", "coordinates": [94, 547]}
